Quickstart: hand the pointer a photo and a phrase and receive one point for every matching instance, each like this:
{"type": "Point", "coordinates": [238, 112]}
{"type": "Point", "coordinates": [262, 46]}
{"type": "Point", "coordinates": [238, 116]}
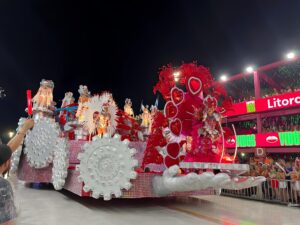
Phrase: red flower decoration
{"type": "Point", "coordinates": [127, 127]}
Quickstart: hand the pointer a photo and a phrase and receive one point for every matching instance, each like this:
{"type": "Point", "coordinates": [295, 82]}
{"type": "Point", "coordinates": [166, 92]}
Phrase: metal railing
{"type": "Point", "coordinates": [285, 192]}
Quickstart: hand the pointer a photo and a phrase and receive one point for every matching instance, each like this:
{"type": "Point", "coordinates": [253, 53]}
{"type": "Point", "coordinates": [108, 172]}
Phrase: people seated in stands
{"type": "Point", "coordinates": [246, 95]}
{"type": "Point", "coordinates": [281, 123]}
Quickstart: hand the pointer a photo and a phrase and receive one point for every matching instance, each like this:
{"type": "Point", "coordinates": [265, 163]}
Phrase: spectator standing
{"type": "Point", "coordinates": [7, 205]}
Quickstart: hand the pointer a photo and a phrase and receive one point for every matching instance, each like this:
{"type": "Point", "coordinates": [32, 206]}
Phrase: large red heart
{"type": "Point", "coordinates": [173, 149]}
{"type": "Point", "coordinates": [175, 127]}
{"type": "Point", "coordinates": [194, 85]}
{"type": "Point", "coordinates": [177, 95]}
{"type": "Point", "coordinates": [170, 161]}
{"type": "Point", "coordinates": [170, 109]}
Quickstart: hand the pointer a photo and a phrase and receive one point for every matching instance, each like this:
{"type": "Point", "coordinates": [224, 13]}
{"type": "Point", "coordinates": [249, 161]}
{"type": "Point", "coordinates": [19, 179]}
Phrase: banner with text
{"type": "Point", "coordinates": [273, 139]}
{"type": "Point", "coordinates": [282, 101]}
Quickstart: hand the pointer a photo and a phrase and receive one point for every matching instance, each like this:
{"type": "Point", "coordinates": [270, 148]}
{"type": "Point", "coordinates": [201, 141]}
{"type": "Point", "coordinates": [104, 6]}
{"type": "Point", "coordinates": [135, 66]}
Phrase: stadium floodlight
{"type": "Point", "coordinates": [223, 77]}
{"type": "Point", "coordinates": [11, 134]}
{"type": "Point", "coordinates": [249, 69]}
{"type": "Point", "coordinates": [176, 74]}
{"type": "Point", "coordinates": [290, 55]}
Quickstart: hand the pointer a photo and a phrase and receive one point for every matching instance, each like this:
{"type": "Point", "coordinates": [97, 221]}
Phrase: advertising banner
{"type": "Point", "coordinates": [273, 139]}
{"type": "Point", "coordinates": [282, 101]}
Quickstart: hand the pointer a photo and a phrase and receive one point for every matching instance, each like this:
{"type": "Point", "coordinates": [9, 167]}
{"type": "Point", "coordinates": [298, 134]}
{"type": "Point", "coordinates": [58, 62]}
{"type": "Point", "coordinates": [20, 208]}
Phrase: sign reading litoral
{"type": "Point", "coordinates": [273, 139]}
{"type": "Point", "coordinates": [282, 101]}
{"type": "Point", "coordinates": [286, 102]}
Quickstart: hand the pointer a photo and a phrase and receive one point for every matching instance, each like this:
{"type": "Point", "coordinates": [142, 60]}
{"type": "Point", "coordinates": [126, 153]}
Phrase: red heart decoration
{"type": "Point", "coordinates": [176, 126]}
{"type": "Point", "coordinates": [170, 162]}
{"type": "Point", "coordinates": [173, 149]}
{"type": "Point", "coordinates": [177, 95]}
{"type": "Point", "coordinates": [194, 85]}
{"type": "Point", "coordinates": [181, 158]}
{"type": "Point", "coordinates": [170, 109]}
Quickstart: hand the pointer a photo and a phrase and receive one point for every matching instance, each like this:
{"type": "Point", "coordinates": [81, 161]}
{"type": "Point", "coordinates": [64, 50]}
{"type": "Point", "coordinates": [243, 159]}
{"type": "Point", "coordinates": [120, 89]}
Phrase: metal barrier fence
{"type": "Point", "coordinates": [285, 192]}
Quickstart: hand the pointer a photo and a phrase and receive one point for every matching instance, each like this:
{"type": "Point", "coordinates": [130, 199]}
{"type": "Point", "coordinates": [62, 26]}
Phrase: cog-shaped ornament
{"type": "Point", "coordinates": [40, 142]}
{"type": "Point", "coordinates": [15, 157]}
{"type": "Point", "coordinates": [106, 166]}
{"type": "Point", "coordinates": [60, 164]}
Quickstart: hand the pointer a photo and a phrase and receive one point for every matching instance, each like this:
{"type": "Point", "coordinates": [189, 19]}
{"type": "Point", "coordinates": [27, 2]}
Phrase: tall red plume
{"type": "Point", "coordinates": [166, 82]}
{"type": "Point", "coordinates": [155, 139]}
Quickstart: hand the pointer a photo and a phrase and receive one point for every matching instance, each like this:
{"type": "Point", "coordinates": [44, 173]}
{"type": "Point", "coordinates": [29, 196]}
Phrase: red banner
{"type": "Point", "coordinates": [268, 140]}
{"type": "Point", "coordinates": [282, 101]}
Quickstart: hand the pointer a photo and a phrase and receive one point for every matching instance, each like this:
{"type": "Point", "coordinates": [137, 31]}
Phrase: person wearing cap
{"type": "Point", "coordinates": [7, 206]}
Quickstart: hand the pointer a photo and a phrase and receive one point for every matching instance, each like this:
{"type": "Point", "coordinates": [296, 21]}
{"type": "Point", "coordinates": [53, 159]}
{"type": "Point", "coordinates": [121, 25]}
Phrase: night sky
{"type": "Point", "coordinates": [119, 47]}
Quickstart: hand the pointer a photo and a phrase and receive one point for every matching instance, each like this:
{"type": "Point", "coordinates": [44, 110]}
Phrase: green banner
{"type": "Point", "coordinates": [246, 140]}
{"type": "Point", "coordinates": [250, 107]}
{"type": "Point", "coordinates": [289, 138]}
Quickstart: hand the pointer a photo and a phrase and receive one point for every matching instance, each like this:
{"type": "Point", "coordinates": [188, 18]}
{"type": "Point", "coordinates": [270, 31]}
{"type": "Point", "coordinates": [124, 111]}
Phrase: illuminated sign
{"type": "Point", "coordinates": [250, 106]}
{"type": "Point", "coordinates": [260, 152]}
{"type": "Point", "coordinates": [289, 138]}
{"type": "Point", "coordinates": [286, 100]}
{"type": "Point", "coordinates": [272, 139]}
{"type": "Point", "coordinates": [230, 141]}
{"type": "Point", "coordinates": [246, 140]}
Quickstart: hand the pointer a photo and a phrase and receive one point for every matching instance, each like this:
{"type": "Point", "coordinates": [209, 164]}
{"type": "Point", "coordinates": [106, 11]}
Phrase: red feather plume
{"type": "Point", "coordinates": [155, 139]}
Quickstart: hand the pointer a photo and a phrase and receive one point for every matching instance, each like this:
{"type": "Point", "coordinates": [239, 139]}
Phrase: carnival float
{"type": "Point", "coordinates": [93, 148]}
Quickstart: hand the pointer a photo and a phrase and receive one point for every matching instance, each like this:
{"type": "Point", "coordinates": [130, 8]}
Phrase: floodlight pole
{"type": "Point", "coordinates": [257, 96]}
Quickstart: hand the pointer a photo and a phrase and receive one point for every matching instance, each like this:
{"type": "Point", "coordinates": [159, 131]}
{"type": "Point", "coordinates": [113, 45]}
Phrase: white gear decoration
{"type": "Point", "coordinates": [40, 142]}
{"type": "Point", "coordinates": [106, 166]}
{"type": "Point", "coordinates": [60, 164]}
{"type": "Point", "coordinates": [15, 158]}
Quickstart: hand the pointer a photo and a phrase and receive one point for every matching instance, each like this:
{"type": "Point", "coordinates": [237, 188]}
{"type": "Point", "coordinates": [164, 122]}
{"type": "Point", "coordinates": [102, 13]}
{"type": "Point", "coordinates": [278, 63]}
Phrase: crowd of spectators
{"type": "Point", "coordinates": [283, 177]}
{"type": "Point", "coordinates": [244, 127]}
{"type": "Point", "coordinates": [274, 81]}
{"type": "Point", "coordinates": [269, 124]}
{"type": "Point", "coordinates": [281, 123]}
{"type": "Point", "coordinates": [243, 96]}
{"type": "Point", "coordinates": [249, 96]}
{"type": "Point", "coordinates": [267, 93]}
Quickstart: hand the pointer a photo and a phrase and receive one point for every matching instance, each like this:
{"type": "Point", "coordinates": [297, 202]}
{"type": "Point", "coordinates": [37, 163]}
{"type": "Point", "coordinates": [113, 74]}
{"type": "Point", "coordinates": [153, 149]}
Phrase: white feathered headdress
{"type": "Point", "coordinates": [97, 104]}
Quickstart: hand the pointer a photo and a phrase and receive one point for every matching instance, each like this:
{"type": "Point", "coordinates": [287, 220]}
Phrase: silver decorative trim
{"type": "Point", "coordinates": [218, 166]}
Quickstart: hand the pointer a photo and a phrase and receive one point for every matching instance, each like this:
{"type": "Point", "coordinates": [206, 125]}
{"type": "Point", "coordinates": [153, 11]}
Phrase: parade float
{"type": "Point", "coordinates": [93, 148]}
